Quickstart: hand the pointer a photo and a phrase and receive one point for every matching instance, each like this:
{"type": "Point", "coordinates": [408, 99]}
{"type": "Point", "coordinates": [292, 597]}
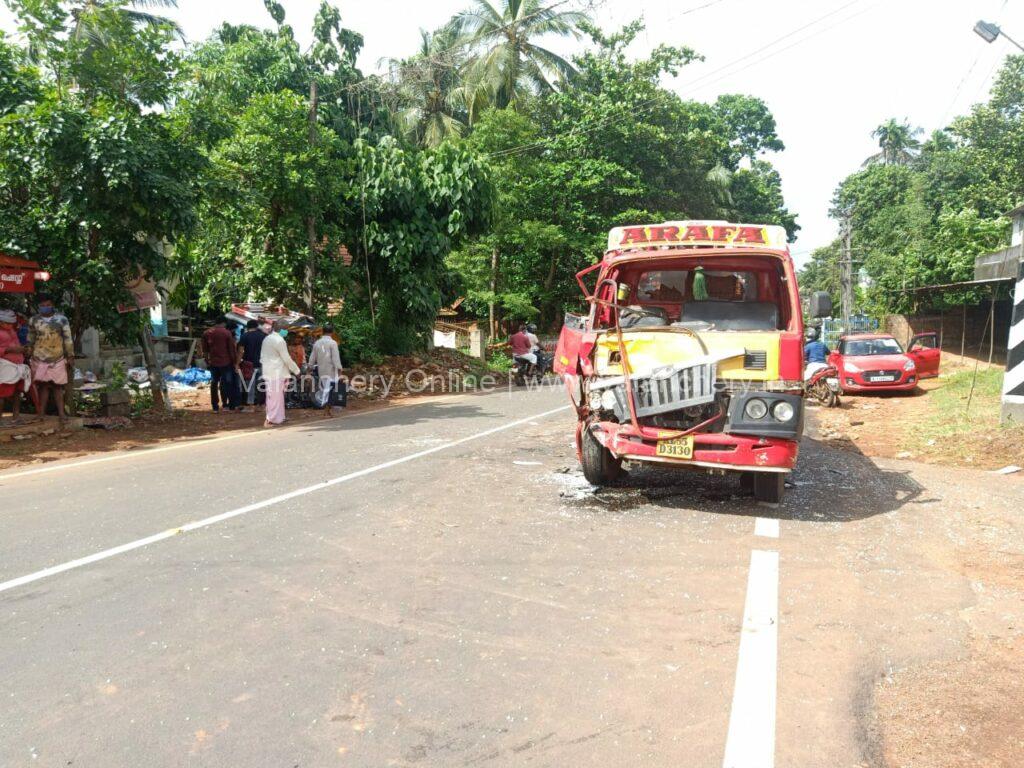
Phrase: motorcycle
{"type": "Point", "coordinates": [823, 386]}
{"type": "Point", "coordinates": [524, 371]}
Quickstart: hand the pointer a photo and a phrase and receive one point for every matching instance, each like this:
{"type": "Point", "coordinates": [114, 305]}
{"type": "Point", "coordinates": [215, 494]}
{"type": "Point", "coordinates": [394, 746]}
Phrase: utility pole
{"type": "Point", "coordinates": [309, 274]}
{"type": "Point", "coordinates": [846, 274]}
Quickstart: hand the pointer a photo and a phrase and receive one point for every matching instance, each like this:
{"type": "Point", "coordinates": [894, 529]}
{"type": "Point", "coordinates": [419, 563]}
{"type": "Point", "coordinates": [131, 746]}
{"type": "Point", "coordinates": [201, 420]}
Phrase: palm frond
{"type": "Point", "coordinates": [143, 19]}
{"type": "Point", "coordinates": [550, 61]}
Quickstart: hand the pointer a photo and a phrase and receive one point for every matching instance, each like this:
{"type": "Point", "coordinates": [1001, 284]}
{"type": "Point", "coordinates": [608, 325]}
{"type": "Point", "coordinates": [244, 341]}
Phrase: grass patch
{"type": "Point", "coordinates": [944, 428]}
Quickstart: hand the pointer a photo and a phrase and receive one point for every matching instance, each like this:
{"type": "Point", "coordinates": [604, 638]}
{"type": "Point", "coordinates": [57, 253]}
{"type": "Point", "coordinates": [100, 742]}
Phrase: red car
{"type": "Point", "coordinates": [869, 362]}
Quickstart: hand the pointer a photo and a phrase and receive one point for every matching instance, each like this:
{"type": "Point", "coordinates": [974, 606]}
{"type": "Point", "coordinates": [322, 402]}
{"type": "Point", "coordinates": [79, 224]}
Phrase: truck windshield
{"type": "Point", "coordinates": [677, 285]}
{"type": "Point", "coordinates": [711, 299]}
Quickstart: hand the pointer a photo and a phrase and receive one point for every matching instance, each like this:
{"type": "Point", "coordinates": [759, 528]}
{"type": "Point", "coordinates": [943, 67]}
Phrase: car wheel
{"type": "Point", "coordinates": [769, 486]}
{"type": "Point", "coordinates": [599, 466]}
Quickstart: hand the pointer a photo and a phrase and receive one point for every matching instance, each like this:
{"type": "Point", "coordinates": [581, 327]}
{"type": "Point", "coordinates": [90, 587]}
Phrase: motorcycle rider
{"type": "Point", "coordinates": [541, 359]}
{"type": "Point", "coordinates": [522, 346]}
{"type": "Point", "coordinates": [816, 353]}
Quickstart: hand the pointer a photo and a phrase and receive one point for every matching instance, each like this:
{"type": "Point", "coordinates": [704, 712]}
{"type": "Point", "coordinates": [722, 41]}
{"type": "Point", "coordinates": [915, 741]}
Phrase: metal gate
{"type": "Point", "coordinates": [832, 328]}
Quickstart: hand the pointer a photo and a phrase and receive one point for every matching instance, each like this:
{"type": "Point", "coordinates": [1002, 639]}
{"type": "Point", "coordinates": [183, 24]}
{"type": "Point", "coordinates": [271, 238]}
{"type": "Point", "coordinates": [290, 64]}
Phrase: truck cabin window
{"type": "Point", "coordinates": [701, 299]}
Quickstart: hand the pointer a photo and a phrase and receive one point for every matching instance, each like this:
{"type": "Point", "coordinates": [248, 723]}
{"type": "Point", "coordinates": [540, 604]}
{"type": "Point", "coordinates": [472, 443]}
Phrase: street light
{"type": "Point", "coordinates": [988, 32]}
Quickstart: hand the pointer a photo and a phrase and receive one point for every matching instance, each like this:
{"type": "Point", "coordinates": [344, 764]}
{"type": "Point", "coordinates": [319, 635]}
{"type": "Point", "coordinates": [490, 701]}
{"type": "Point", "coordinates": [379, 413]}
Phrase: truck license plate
{"type": "Point", "coordinates": [678, 448]}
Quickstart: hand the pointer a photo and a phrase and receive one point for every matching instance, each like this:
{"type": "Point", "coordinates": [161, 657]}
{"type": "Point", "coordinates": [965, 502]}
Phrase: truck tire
{"type": "Point", "coordinates": [769, 486]}
{"type": "Point", "coordinates": [599, 466]}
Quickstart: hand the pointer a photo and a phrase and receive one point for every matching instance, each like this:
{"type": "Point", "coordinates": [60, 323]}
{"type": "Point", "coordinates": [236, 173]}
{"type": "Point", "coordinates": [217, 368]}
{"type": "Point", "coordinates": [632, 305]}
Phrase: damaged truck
{"type": "Point", "coordinates": [691, 354]}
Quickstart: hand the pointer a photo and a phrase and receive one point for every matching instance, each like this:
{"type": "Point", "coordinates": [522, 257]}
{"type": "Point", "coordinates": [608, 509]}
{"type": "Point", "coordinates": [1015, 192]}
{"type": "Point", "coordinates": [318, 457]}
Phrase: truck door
{"type": "Point", "coordinates": [567, 354]}
{"type": "Point", "coordinates": [924, 351]}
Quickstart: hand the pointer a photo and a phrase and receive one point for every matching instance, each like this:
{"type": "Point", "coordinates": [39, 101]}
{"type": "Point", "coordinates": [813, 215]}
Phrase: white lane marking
{"type": "Point", "coordinates": [751, 739]}
{"type": "Point", "coordinates": [767, 527]}
{"type": "Point", "coordinates": [208, 521]}
{"type": "Point", "coordinates": [208, 440]}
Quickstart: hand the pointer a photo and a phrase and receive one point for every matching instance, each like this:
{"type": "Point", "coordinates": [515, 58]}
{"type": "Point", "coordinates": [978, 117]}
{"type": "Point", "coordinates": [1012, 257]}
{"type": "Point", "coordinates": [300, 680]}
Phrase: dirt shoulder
{"type": "Point", "coordinates": [965, 711]}
{"type": "Point", "coordinates": [952, 420]}
{"type": "Point", "coordinates": [961, 711]}
{"type": "Point", "coordinates": [395, 382]}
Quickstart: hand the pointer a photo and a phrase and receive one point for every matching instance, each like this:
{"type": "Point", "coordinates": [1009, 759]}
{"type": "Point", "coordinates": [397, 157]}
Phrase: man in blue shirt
{"type": "Point", "coordinates": [815, 353]}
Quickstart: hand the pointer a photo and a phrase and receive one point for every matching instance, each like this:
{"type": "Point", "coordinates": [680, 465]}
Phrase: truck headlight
{"type": "Point", "coordinates": [755, 409]}
{"type": "Point", "coordinates": [594, 398]}
{"type": "Point", "coordinates": [608, 401]}
{"type": "Point", "coordinates": [783, 411]}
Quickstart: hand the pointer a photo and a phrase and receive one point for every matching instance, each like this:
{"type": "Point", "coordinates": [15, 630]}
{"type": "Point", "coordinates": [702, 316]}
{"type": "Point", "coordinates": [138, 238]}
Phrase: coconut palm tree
{"type": "Point", "coordinates": [505, 63]}
{"type": "Point", "coordinates": [898, 143]}
{"type": "Point", "coordinates": [432, 100]}
{"type": "Point", "coordinates": [86, 15]}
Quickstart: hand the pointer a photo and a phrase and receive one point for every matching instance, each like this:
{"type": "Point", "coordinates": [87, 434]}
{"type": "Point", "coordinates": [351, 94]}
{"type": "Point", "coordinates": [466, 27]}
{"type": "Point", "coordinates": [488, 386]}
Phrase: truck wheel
{"type": "Point", "coordinates": [769, 486]}
{"type": "Point", "coordinates": [747, 482]}
{"type": "Point", "coordinates": [599, 466]}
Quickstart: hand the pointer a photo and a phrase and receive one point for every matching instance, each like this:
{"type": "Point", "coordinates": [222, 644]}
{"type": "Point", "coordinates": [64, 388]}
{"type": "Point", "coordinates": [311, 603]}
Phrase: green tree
{"type": "Point", "coordinates": [506, 63]}
{"type": "Point", "coordinates": [433, 103]}
{"type": "Point", "coordinates": [821, 272]}
{"type": "Point", "coordinates": [751, 126]}
{"type": "Point", "coordinates": [97, 192]}
{"type": "Point", "coordinates": [92, 184]}
{"type": "Point", "coordinates": [418, 207]}
{"type": "Point", "coordinates": [19, 82]}
{"type": "Point", "coordinates": [90, 17]}
{"type": "Point", "coordinates": [263, 183]}
{"type": "Point", "coordinates": [897, 142]}
{"type": "Point", "coordinates": [612, 147]}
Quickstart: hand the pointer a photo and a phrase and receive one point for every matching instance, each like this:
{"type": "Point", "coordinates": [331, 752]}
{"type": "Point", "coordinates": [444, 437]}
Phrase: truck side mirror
{"type": "Point", "coordinates": [821, 304]}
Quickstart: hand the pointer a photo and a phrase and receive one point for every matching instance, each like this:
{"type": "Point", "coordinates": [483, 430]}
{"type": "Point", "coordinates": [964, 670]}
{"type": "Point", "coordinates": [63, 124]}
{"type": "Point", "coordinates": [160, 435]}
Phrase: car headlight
{"type": "Point", "coordinates": [608, 400]}
{"type": "Point", "coordinates": [909, 365]}
{"type": "Point", "coordinates": [755, 409]}
{"type": "Point", "coordinates": [852, 367]}
{"type": "Point", "coordinates": [783, 411]}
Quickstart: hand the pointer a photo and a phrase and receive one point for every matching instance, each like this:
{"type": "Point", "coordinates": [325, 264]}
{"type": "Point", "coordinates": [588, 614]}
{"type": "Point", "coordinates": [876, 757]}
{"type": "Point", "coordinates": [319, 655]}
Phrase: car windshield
{"type": "Point", "coordinates": [869, 347]}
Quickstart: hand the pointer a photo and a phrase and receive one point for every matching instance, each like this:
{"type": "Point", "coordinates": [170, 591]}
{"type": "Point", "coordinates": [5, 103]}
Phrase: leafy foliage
{"type": "Point", "coordinates": [611, 147]}
{"type": "Point", "coordinates": [507, 66]}
{"type": "Point", "coordinates": [922, 212]}
{"type": "Point", "coordinates": [485, 165]}
{"type": "Point", "coordinates": [91, 185]}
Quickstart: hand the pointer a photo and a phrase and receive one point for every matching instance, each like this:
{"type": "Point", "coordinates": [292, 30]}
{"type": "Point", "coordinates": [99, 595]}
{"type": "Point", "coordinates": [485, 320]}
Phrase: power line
{"type": "Point", "coordinates": [696, 8]}
{"type": "Point", "coordinates": [792, 45]}
{"type": "Point", "coordinates": [449, 56]}
{"type": "Point", "coordinates": [650, 102]}
{"type": "Point", "coordinates": [970, 69]}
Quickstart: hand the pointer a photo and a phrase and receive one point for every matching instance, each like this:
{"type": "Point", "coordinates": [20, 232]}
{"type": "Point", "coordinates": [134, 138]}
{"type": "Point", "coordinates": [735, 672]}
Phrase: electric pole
{"type": "Point", "coordinates": [846, 274]}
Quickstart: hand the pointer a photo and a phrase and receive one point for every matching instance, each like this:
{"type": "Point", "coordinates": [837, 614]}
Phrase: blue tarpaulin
{"type": "Point", "coordinates": [190, 376]}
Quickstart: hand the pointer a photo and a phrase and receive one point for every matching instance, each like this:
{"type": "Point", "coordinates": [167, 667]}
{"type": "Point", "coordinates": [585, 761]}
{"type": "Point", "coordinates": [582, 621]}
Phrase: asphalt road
{"type": "Point", "coordinates": [435, 585]}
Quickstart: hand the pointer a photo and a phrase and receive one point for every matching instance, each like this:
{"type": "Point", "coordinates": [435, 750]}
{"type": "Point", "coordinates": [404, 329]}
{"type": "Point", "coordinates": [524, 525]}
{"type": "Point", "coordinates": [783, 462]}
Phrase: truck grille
{"type": "Point", "coordinates": [755, 359]}
{"type": "Point", "coordinates": [668, 389]}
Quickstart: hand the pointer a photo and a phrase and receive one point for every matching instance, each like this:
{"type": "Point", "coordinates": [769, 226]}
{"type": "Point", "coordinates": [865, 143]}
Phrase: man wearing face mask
{"type": "Point", "coordinates": [53, 353]}
{"type": "Point", "coordinates": [278, 367]}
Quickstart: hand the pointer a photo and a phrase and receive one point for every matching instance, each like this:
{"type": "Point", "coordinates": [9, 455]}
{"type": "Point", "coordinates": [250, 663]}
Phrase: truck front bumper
{"type": "Point", "coordinates": [715, 450]}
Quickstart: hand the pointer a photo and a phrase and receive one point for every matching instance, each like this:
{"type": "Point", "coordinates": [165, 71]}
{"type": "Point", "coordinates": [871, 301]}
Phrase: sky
{"type": "Point", "coordinates": [830, 70]}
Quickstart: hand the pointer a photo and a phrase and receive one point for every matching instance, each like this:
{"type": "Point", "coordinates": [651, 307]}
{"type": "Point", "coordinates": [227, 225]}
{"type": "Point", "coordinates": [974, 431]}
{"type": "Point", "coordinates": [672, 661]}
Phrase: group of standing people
{"type": "Point", "coordinates": [260, 364]}
{"type": "Point", "coordinates": [45, 341]}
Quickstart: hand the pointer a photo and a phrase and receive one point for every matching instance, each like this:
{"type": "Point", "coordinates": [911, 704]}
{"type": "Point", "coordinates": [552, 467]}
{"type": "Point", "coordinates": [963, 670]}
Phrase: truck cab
{"type": "Point", "coordinates": [691, 354]}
